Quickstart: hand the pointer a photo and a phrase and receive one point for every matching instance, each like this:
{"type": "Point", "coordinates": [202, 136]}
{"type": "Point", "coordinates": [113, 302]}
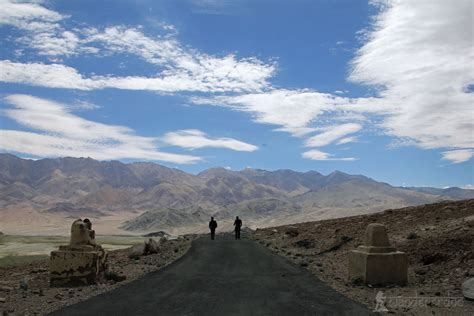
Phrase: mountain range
{"type": "Point", "coordinates": [42, 196]}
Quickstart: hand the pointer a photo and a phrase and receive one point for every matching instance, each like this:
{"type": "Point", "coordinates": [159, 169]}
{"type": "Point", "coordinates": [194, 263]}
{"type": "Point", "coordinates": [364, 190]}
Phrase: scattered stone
{"type": "Point", "coordinates": [114, 276]}
{"type": "Point", "coordinates": [420, 271]}
{"type": "Point", "coordinates": [305, 243]}
{"type": "Point", "coordinates": [303, 264]}
{"type": "Point", "coordinates": [468, 289]}
{"type": "Point", "coordinates": [429, 258]}
{"type": "Point", "coordinates": [334, 244]}
{"type": "Point", "coordinates": [469, 220]}
{"type": "Point", "coordinates": [24, 284]}
{"type": "Point", "coordinates": [292, 231]}
{"type": "Point", "coordinates": [6, 288]}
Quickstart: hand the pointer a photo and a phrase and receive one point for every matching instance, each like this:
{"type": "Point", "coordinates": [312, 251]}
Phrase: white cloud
{"type": "Point", "coordinates": [331, 134]}
{"type": "Point", "coordinates": [458, 156]}
{"type": "Point", "coordinates": [421, 56]}
{"type": "Point", "coordinates": [345, 140]}
{"type": "Point", "coordinates": [295, 111]}
{"type": "Point", "coordinates": [28, 16]}
{"type": "Point", "coordinates": [61, 133]}
{"type": "Point", "coordinates": [468, 187]}
{"type": "Point", "coordinates": [60, 76]}
{"type": "Point", "coordinates": [194, 139]}
{"type": "Point", "coordinates": [315, 154]}
{"type": "Point", "coordinates": [179, 67]}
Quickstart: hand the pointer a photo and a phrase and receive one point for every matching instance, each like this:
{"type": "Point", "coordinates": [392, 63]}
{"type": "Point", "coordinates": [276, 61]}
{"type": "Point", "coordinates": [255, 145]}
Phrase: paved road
{"type": "Point", "coordinates": [222, 277]}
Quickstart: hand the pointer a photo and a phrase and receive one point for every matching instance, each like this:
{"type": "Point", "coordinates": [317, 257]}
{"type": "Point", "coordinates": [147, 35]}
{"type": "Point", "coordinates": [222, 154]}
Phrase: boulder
{"type": "Point", "coordinates": [151, 246]}
{"type": "Point", "coordinates": [137, 251]}
{"type": "Point", "coordinates": [468, 289]}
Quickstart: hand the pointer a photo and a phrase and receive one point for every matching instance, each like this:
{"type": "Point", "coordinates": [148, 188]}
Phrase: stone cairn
{"type": "Point", "coordinates": [83, 261]}
{"type": "Point", "coordinates": [376, 262]}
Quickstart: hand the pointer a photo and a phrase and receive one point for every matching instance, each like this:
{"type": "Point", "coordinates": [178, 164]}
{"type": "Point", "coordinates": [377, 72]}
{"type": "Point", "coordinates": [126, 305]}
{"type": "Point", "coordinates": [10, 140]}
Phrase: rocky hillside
{"type": "Point", "coordinates": [45, 192]}
{"type": "Point", "coordinates": [438, 238]}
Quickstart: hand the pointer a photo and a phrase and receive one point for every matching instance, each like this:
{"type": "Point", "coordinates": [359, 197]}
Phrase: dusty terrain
{"type": "Point", "coordinates": [40, 298]}
{"type": "Point", "coordinates": [438, 238]}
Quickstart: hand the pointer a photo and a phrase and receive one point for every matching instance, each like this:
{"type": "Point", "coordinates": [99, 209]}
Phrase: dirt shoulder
{"type": "Point", "coordinates": [40, 298]}
{"type": "Point", "coordinates": [438, 239]}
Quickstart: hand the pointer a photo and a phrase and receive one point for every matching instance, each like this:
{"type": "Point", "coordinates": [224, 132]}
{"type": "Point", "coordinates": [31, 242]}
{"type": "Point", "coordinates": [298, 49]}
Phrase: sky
{"type": "Point", "coordinates": [379, 88]}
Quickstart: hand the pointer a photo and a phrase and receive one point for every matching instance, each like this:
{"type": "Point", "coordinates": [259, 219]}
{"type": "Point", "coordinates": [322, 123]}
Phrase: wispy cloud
{"type": "Point", "coordinates": [420, 55]}
{"type": "Point", "coordinates": [61, 76]}
{"type": "Point", "coordinates": [179, 67]}
{"type": "Point", "coordinates": [332, 134]}
{"type": "Point", "coordinates": [315, 154]}
{"type": "Point", "coordinates": [28, 16]}
{"type": "Point", "coordinates": [458, 156]}
{"type": "Point", "coordinates": [58, 132]}
{"type": "Point", "coordinates": [193, 139]}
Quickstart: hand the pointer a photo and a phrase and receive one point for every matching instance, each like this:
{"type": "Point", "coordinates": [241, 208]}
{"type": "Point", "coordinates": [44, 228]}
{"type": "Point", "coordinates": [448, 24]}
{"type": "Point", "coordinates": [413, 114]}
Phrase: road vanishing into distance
{"type": "Point", "coordinates": [222, 277]}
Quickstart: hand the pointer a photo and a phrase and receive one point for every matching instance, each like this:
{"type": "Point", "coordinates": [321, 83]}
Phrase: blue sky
{"type": "Point", "coordinates": [380, 88]}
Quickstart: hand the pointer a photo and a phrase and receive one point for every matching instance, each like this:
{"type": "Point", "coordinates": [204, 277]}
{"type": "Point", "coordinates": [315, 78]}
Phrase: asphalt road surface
{"type": "Point", "coordinates": [222, 277]}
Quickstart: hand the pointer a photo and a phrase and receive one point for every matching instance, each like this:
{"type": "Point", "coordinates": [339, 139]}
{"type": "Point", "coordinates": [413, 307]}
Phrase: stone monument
{"type": "Point", "coordinates": [82, 261]}
{"type": "Point", "coordinates": [376, 262]}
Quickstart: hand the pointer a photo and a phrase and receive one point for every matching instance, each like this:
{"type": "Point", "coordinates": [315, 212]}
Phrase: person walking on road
{"type": "Point", "coordinates": [212, 227]}
{"type": "Point", "coordinates": [238, 225]}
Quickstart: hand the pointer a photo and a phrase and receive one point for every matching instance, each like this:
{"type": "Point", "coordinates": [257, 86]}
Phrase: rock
{"type": "Point", "coordinates": [292, 231]}
{"type": "Point", "coordinates": [429, 258]}
{"type": "Point", "coordinates": [305, 243]}
{"type": "Point", "coordinates": [470, 273]}
{"type": "Point", "coordinates": [412, 235]}
{"type": "Point", "coordinates": [469, 220]}
{"type": "Point", "coordinates": [3, 300]}
{"type": "Point", "coordinates": [24, 284]}
{"type": "Point", "coordinates": [151, 246]}
{"type": "Point", "coordinates": [1, 234]}
{"type": "Point", "coordinates": [334, 244]}
{"type": "Point", "coordinates": [6, 288]}
{"type": "Point", "coordinates": [420, 271]}
{"type": "Point", "coordinates": [468, 289]}
{"type": "Point", "coordinates": [137, 251]}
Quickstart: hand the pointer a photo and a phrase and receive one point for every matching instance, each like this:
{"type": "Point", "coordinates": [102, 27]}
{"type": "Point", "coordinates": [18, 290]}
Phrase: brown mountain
{"type": "Point", "coordinates": [48, 191]}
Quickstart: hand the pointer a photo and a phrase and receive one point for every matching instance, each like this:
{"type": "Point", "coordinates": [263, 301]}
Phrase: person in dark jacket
{"type": "Point", "coordinates": [238, 225]}
{"type": "Point", "coordinates": [212, 227]}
